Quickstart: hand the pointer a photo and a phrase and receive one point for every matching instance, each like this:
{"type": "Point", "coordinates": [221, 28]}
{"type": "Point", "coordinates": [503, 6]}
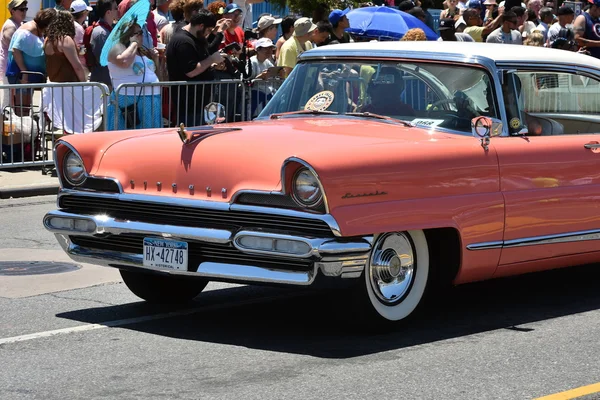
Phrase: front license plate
{"type": "Point", "coordinates": [169, 254]}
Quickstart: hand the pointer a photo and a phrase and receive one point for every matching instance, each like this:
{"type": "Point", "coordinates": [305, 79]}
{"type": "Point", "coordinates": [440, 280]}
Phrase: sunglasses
{"type": "Point", "coordinates": [138, 33]}
{"type": "Point", "coordinates": [24, 9]}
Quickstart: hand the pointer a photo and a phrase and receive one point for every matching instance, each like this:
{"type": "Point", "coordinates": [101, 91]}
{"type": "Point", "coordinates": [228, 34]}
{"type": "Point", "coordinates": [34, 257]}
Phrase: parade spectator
{"type": "Point", "coordinates": [474, 23]}
{"type": "Point", "coordinates": [448, 32]}
{"type": "Point", "coordinates": [107, 12]}
{"type": "Point", "coordinates": [546, 17]}
{"type": "Point", "coordinates": [425, 6]}
{"type": "Point", "coordinates": [149, 30]}
{"type": "Point", "coordinates": [340, 22]}
{"type": "Point", "coordinates": [262, 69]}
{"type": "Point", "coordinates": [191, 8]}
{"type": "Point", "coordinates": [188, 59]}
{"type": "Point", "coordinates": [71, 109]}
{"type": "Point", "coordinates": [586, 33]}
{"type": "Point", "coordinates": [267, 27]}
{"type": "Point", "coordinates": [322, 35]}
{"type": "Point", "coordinates": [287, 30]}
{"type": "Point", "coordinates": [80, 11]}
{"type": "Point", "coordinates": [529, 24]}
{"type": "Point", "coordinates": [176, 11]}
{"type": "Point", "coordinates": [233, 34]}
{"type": "Point", "coordinates": [26, 49]}
{"type": "Point", "coordinates": [535, 38]}
{"type": "Point", "coordinates": [452, 11]}
{"type": "Point", "coordinates": [521, 13]}
{"type": "Point", "coordinates": [414, 34]}
{"type": "Point", "coordinates": [296, 45]}
{"type": "Point", "coordinates": [507, 33]}
{"type": "Point", "coordinates": [18, 12]}
{"type": "Point", "coordinates": [491, 10]}
{"type": "Point", "coordinates": [62, 5]}
{"type": "Point", "coordinates": [161, 14]}
{"type": "Point", "coordinates": [565, 15]}
{"type": "Point", "coordinates": [216, 37]}
{"type": "Point", "coordinates": [129, 62]}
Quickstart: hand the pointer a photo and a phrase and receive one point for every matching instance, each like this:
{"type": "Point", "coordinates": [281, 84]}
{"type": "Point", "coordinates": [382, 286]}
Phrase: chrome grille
{"type": "Point", "coordinates": [197, 252]}
{"type": "Point", "coordinates": [195, 217]}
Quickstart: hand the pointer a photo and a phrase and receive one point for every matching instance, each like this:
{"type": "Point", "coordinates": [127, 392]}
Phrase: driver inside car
{"type": "Point", "coordinates": [384, 91]}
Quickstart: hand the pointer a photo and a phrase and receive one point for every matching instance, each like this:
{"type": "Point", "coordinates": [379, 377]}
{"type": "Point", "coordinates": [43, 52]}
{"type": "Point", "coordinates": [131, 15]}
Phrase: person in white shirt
{"type": "Point", "coordinates": [80, 11]}
{"type": "Point", "coordinates": [565, 15]}
{"type": "Point", "coordinates": [546, 17]}
{"type": "Point", "coordinates": [262, 70]}
{"type": "Point", "coordinates": [507, 33]}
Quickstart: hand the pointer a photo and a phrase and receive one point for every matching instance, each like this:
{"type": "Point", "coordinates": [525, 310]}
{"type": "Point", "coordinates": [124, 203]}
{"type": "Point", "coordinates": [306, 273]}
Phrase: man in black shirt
{"type": "Point", "coordinates": [340, 23]}
{"type": "Point", "coordinates": [188, 59]}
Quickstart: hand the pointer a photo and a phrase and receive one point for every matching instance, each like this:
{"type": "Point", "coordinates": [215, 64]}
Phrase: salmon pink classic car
{"type": "Point", "coordinates": [387, 166]}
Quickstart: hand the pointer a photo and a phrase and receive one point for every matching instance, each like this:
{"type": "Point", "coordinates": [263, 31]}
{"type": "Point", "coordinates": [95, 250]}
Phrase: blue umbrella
{"type": "Point", "coordinates": [384, 23]}
{"type": "Point", "coordinates": [137, 14]}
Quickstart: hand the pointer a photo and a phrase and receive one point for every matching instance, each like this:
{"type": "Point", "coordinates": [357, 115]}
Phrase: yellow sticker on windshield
{"type": "Point", "coordinates": [320, 101]}
{"type": "Point", "coordinates": [515, 123]}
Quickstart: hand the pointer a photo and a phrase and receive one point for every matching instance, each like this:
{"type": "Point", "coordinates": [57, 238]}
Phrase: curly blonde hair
{"type": "Point", "coordinates": [414, 34]}
{"type": "Point", "coordinates": [534, 38]}
{"type": "Point", "coordinates": [60, 27]}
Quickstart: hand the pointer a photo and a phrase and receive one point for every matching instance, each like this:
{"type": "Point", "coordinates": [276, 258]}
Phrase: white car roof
{"type": "Point", "coordinates": [497, 53]}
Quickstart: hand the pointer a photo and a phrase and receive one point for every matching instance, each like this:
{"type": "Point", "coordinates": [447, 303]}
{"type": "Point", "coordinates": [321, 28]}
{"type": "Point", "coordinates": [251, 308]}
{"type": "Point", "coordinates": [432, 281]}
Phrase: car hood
{"type": "Point", "coordinates": [249, 156]}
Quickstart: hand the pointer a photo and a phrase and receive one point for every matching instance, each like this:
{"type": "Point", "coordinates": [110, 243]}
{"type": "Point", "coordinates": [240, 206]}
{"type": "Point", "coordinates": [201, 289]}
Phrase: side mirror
{"type": "Point", "coordinates": [486, 127]}
{"type": "Point", "coordinates": [214, 113]}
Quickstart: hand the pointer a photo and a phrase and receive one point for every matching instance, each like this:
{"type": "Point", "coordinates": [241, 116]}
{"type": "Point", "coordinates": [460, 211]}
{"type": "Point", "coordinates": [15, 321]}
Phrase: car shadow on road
{"type": "Point", "coordinates": [321, 324]}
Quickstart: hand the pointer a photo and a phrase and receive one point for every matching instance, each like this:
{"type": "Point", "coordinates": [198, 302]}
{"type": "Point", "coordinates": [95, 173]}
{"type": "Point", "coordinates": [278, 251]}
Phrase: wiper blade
{"type": "Point", "coordinates": [378, 116]}
{"type": "Point", "coordinates": [313, 112]}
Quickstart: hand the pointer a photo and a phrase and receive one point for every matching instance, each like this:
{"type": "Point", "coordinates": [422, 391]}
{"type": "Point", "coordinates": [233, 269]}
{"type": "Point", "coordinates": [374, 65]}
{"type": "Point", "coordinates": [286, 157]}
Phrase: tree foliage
{"type": "Point", "coordinates": [313, 7]}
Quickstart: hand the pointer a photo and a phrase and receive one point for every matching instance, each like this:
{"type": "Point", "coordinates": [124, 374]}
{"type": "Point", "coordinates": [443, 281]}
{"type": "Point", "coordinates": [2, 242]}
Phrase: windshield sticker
{"type": "Point", "coordinates": [320, 101]}
{"type": "Point", "coordinates": [427, 122]}
{"type": "Point", "coordinates": [515, 123]}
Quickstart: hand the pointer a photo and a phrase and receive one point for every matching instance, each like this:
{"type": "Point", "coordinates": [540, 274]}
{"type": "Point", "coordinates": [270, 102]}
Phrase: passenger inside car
{"type": "Point", "coordinates": [384, 91]}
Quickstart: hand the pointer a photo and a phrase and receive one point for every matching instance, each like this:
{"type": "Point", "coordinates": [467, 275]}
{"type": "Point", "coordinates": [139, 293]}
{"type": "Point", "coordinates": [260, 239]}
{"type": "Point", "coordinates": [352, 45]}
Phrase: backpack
{"type": "Point", "coordinates": [90, 60]}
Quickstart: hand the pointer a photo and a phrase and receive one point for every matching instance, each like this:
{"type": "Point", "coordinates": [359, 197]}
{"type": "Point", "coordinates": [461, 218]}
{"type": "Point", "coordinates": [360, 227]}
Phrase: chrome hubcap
{"type": "Point", "coordinates": [392, 267]}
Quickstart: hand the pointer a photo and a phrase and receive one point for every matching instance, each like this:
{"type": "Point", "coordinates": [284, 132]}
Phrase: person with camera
{"type": "Point", "coordinates": [189, 59]}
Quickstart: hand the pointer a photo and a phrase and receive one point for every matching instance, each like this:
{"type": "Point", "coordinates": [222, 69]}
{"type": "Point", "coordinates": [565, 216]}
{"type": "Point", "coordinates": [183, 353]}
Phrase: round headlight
{"type": "Point", "coordinates": [306, 190]}
{"type": "Point", "coordinates": [73, 169]}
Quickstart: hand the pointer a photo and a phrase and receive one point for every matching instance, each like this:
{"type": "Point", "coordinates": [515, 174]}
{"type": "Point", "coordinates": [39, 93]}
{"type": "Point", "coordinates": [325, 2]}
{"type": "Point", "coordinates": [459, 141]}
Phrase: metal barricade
{"type": "Point", "coordinates": [168, 104]}
{"type": "Point", "coordinates": [39, 113]}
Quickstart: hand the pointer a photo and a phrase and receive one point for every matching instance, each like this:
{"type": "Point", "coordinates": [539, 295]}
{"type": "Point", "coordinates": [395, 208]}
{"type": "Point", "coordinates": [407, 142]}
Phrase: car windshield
{"type": "Point", "coordinates": [426, 94]}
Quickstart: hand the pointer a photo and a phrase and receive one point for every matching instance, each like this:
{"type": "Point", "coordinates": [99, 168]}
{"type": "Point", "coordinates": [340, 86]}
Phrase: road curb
{"type": "Point", "coordinates": [29, 191]}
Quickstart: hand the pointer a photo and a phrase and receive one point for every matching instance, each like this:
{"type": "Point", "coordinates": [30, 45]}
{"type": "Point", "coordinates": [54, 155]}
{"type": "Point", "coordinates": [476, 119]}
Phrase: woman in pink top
{"type": "Point", "coordinates": [18, 11]}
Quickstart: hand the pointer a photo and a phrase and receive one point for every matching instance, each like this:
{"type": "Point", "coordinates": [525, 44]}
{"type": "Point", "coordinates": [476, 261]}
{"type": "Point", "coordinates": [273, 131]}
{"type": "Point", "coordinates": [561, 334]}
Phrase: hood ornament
{"type": "Point", "coordinates": [183, 134]}
{"type": "Point", "coordinates": [194, 134]}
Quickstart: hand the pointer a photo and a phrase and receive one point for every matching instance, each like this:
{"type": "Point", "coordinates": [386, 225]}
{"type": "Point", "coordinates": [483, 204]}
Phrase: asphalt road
{"type": "Point", "coordinates": [72, 338]}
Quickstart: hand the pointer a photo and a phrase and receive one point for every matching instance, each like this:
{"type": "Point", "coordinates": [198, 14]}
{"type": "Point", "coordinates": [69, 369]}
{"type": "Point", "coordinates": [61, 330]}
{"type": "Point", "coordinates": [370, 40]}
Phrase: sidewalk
{"type": "Point", "coordinates": [20, 182]}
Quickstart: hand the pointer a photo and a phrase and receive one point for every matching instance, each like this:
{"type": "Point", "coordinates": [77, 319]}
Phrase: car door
{"type": "Point", "coordinates": [550, 171]}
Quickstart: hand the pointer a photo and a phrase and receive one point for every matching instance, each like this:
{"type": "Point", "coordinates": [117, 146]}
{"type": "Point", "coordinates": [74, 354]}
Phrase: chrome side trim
{"type": "Point", "coordinates": [569, 237]}
{"type": "Point", "coordinates": [580, 236]}
{"type": "Point", "coordinates": [485, 245]}
{"type": "Point", "coordinates": [107, 225]}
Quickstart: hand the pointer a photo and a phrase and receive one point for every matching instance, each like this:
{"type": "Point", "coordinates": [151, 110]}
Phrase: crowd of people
{"type": "Point", "coordinates": [186, 40]}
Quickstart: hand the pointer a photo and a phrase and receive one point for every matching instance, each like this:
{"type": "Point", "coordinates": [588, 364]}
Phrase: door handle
{"type": "Point", "coordinates": [593, 146]}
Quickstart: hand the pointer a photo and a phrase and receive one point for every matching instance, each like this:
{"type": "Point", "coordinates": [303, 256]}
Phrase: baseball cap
{"type": "Point", "coordinates": [15, 3]}
{"type": "Point", "coordinates": [304, 26]}
{"type": "Point", "coordinates": [564, 10]}
{"type": "Point", "coordinates": [264, 42]}
{"type": "Point", "coordinates": [267, 21]}
{"type": "Point", "coordinates": [78, 6]}
{"type": "Point", "coordinates": [478, 4]}
{"type": "Point", "coordinates": [446, 23]}
{"type": "Point", "coordinates": [231, 8]}
{"type": "Point", "coordinates": [336, 15]}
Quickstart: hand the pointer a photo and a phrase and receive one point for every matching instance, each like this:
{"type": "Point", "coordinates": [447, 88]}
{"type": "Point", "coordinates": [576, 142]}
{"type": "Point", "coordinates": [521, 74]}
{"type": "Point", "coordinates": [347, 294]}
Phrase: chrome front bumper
{"type": "Point", "coordinates": [334, 257]}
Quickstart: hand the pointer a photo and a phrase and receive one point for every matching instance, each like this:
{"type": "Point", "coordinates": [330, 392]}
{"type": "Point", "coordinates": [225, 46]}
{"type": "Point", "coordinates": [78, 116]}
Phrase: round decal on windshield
{"type": "Point", "coordinates": [320, 101]}
{"type": "Point", "coordinates": [515, 123]}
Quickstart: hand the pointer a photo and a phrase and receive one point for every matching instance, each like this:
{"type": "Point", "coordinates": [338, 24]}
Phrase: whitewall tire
{"type": "Point", "coordinates": [397, 274]}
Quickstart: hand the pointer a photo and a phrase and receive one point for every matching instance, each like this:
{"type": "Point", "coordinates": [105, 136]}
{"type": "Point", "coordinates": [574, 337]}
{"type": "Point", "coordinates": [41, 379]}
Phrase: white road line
{"type": "Point", "coordinates": [137, 320]}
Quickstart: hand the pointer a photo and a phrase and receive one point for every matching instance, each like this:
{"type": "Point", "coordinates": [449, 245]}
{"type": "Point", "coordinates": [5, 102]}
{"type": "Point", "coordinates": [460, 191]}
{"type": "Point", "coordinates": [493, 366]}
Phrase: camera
{"type": "Point", "coordinates": [250, 34]}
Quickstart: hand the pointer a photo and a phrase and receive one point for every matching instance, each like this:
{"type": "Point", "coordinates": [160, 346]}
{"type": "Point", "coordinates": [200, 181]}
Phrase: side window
{"type": "Point", "coordinates": [568, 101]}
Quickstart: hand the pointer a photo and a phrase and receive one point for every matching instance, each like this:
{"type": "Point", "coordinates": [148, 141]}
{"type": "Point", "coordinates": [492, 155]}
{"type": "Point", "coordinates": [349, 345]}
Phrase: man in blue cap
{"type": "Point", "coordinates": [587, 29]}
{"type": "Point", "coordinates": [340, 23]}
